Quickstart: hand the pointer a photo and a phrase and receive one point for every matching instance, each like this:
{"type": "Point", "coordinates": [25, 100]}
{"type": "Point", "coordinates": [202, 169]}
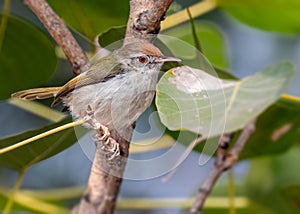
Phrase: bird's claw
{"type": "Point", "coordinates": [113, 147]}
{"type": "Point", "coordinates": [103, 134]}
{"type": "Point", "coordinates": [109, 144]}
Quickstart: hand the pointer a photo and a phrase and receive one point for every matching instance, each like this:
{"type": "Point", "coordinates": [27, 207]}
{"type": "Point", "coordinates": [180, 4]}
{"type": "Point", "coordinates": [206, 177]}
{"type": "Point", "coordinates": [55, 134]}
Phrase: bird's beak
{"type": "Point", "coordinates": [167, 59]}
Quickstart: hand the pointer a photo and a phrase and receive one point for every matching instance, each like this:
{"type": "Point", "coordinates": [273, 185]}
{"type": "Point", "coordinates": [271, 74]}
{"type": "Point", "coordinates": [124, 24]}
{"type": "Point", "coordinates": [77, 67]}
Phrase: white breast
{"type": "Point", "coordinates": [117, 102]}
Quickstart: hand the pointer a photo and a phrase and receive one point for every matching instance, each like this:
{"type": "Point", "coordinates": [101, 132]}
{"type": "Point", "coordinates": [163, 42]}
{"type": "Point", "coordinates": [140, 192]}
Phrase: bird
{"type": "Point", "coordinates": [114, 91]}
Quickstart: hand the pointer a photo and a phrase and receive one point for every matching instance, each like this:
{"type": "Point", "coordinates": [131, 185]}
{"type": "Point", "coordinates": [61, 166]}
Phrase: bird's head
{"type": "Point", "coordinates": [142, 57]}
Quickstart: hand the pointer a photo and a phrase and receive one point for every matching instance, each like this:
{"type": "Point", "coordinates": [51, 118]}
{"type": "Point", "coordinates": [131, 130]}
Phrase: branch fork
{"type": "Point", "coordinates": [224, 160]}
{"type": "Point", "coordinates": [106, 173]}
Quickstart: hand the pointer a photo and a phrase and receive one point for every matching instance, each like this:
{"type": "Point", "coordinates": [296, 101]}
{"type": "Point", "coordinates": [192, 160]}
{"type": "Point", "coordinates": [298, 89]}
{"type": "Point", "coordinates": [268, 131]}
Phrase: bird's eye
{"type": "Point", "coordinates": [143, 59]}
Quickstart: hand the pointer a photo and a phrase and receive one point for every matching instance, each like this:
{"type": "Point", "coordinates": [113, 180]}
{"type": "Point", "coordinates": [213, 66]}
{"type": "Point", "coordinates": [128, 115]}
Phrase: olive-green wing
{"type": "Point", "coordinates": [98, 72]}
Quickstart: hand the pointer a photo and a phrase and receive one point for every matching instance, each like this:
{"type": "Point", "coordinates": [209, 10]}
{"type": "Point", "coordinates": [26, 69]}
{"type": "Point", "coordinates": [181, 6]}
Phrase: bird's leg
{"type": "Point", "coordinates": [103, 133]}
{"type": "Point", "coordinates": [109, 144]}
{"type": "Point", "coordinates": [88, 116]}
{"type": "Point", "coordinates": [112, 147]}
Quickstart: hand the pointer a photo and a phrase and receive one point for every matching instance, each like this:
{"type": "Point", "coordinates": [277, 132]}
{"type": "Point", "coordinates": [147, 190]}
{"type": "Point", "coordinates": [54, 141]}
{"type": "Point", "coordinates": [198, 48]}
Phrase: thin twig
{"type": "Point", "coordinates": [223, 161]}
{"type": "Point", "coordinates": [223, 147]}
{"type": "Point", "coordinates": [40, 136]}
{"type": "Point", "coordinates": [60, 34]}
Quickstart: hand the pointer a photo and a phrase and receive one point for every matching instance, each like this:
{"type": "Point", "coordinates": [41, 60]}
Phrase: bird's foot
{"type": "Point", "coordinates": [109, 145]}
{"type": "Point", "coordinates": [112, 147]}
{"type": "Point", "coordinates": [103, 134]}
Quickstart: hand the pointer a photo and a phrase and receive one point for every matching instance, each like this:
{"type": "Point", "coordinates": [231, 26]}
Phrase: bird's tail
{"type": "Point", "coordinates": [37, 93]}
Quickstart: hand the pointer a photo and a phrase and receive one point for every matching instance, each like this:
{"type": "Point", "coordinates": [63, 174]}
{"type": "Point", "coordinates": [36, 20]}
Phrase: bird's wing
{"type": "Point", "coordinates": [95, 74]}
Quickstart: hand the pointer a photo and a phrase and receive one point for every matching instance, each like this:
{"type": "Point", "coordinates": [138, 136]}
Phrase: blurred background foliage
{"type": "Point", "coordinates": [238, 37]}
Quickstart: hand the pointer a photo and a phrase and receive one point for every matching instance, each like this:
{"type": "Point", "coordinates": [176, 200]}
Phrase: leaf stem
{"type": "Point", "coordinates": [225, 160]}
{"type": "Point", "coordinates": [4, 21]}
{"type": "Point", "coordinates": [195, 10]}
{"type": "Point", "coordinates": [15, 189]}
{"type": "Point", "coordinates": [42, 135]}
{"type": "Point", "coordinates": [196, 40]}
{"type": "Point", "coordinates": [290, 98]}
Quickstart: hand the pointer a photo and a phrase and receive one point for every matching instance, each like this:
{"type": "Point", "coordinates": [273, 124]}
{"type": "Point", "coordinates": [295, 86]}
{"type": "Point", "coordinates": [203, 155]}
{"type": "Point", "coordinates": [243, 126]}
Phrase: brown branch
{"type": "Point", "coordinates": [105, 178]}
{"type": "Point", "coordinates": [60, 34]}
{"type": "Point", "coordinates": [106, 175]}
{"type": "Point", "coordinates": [224, 160]}
{"type": "Point", "coordinates": [144, 19]}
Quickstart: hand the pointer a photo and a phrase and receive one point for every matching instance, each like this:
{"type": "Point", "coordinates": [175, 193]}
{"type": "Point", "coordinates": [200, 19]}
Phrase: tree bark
{"type": "Point", "coordinates": [103, 186]}
{"type": "Point", "coordinates": [144, 19]}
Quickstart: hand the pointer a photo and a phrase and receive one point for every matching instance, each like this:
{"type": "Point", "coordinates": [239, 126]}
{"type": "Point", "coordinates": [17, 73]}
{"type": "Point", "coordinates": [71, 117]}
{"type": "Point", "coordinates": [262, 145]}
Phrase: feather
{"type": "Point", "coordinates": [37, 93]}
{"type": "Point", "coordinates": [150, 50]}
{"type": "Point", "coordinates": [101, 71]}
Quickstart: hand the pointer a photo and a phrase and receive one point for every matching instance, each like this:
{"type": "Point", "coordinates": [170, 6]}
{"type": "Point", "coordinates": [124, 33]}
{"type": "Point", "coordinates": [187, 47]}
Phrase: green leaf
{"type": "Point", "coordinates": [193, 100]}
{"type": "Point", "coordinates": [292, 195]}
{"type": "Point", "coordinates": [93, 16]}
{"type": "Point", "coordinates": [277, 130]}
{"type": "Point", "coordinates": [270, 177]}
{"type": "Point", "coordinates": [24, 203]}
{"type": "Point", "coordinates": [37, 109]}
{"type": "Point", "coordinates": [25, 156]}
{"type": "Point", "coordinates": [27, 58]}
{"type": "Point", "coordinates": [271, 15]}
{"type": "Point", "coordinates": [112, 35]}
{"type": "Point", "coordinates": [224, 74]}
{"type": "Point", "coordinates": [211, 40]}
